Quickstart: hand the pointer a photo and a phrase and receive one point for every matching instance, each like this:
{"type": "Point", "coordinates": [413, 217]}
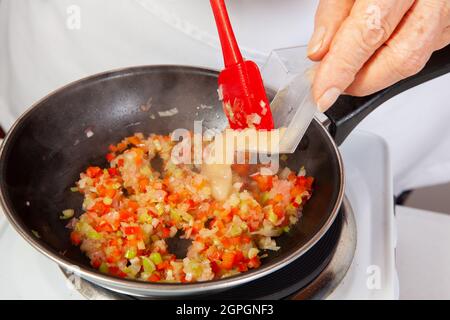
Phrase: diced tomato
{"type": "Point", "coordinates": [75, 237]}
{"type": "Point", "coordinates": [93, 172]}
{"type": "Point", "coordinates": [264, 182]}
{"type": "Point", "coordinates": [120, 163]}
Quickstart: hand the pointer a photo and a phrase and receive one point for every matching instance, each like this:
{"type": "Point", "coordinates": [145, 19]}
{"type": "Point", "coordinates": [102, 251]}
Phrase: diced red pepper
{"type": "Point", "coordinates": [154, 278]}
{"type": "Point", "coordinates": [96, 263]}
{"type": "Point", "coordinates": [174, 198]}
{"type": "Point", "coordinates": [264, 183]}
{"type": "Point", "coordinates": [163, 265]}
{"type": "Point", "coordinates": [103, 226]}
{"type": "Point", "coordinates": [134, 140]}
{"type": "Point", "coordinates": [227, 261]}
{"type": "Point", "coordinates": [143, 184]}
{"type": "Point", "coordinates": [305, 182]}
{"type": "Point", "coordinates": [75, 237]}
{"type": "Point", "coordinates": [130, 230]}
{"type": "Point", "coordinates": [93, 172]}
{"type": "Point", "coordinates": [215, 267]}
{"type": "Point", "coordinates": [110, 157]}
{"type": "Point", "coordinates": [165, 233]}
{"type": "Point", "coordinates": [241, 169]}
{"type": "Point", "coordinates": [100, 208]}
{"type": "Point", "coordinates": [112, 148]}
{"type": "Point", "coordinates": [254, 263]}
{"type": "Point", "coordinates": [242, 267]}
{"type": "Point", "coordinates": [112, 172]}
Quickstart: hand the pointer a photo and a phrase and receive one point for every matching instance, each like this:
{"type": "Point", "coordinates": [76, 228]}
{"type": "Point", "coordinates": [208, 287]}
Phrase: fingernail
{"type": "Point", "coordinates": [328, 99]}
{"type": "Point", "coordinates": [316, 41]}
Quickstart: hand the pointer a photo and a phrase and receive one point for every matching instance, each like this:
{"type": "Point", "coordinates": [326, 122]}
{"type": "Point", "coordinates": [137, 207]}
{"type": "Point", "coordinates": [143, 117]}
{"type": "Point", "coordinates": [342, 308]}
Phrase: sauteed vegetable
{"type": "Point", "coordinates": [132, 207]}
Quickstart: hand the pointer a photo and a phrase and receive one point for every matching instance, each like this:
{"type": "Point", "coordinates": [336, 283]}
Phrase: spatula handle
{"type": "Point", "coordinates": [230, 49]}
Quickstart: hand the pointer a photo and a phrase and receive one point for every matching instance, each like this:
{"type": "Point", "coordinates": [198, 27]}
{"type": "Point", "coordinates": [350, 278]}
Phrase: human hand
{"type": "Point", "coordinates": [367, 45]}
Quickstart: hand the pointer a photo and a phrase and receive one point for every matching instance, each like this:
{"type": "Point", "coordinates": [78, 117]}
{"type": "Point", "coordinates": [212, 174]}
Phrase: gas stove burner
{"type": "Point", "coordinates": [314, 275]}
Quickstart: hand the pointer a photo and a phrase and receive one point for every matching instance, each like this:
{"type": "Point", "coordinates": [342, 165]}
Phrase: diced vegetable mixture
{"type": "Point", "coordinates": [131, 208]}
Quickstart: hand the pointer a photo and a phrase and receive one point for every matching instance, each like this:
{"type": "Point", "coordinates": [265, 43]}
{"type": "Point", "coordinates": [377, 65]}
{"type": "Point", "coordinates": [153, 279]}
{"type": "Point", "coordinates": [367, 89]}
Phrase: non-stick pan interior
{"type": "Point", "coordinates": [49, 147]}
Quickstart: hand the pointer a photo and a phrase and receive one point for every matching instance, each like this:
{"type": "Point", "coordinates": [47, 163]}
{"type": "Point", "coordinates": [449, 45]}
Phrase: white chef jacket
{"type": "Point", "coordinates": [45, 44]}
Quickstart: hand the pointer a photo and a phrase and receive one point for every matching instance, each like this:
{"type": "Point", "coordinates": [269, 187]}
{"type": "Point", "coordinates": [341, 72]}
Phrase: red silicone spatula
{"type": "Point", "coordinates": [240, 83]}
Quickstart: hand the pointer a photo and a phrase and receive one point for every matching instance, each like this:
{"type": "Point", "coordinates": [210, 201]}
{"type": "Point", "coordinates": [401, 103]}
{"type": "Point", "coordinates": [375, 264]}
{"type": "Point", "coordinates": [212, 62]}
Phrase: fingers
{"type": "Point", "coordinates": [406, 52]}
{"type": "Point", "coordinates": [370, 24]}
{"type": "Point", "coordinates": [329, 17]}
{"type": "Point", "coordinates": [445, 39]}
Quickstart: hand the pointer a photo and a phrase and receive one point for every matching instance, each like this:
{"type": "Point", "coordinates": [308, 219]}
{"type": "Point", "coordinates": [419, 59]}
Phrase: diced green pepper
{"type": "Point", "coordinates": [273, 217]}
{"type": "Point", "coordinates": [235, 230]}
{"type": "Point", "coordinates": [130, 254]}
{"type": "Point", "coordinates": [94, 235]}
{"type": "Point", "coordinates": [149, 266]}
{"type": "Point", "coordinates": [175, 215]}
{"type": "Point", "coordinates": [265, 197]}
{"type": "Point", "coordinates": [103, 268]}
{"type": "Point", "coordinates": [159, 209]}
{"type": "Point", "coordinates": [156, 258]}
{"type": "Point", "coordinates": [145, 218]}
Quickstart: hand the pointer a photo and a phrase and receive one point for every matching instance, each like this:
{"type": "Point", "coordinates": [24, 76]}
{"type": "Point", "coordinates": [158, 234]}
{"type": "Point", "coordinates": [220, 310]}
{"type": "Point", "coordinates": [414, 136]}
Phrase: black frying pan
{"type": "Point", "coordinates": [47, 148]}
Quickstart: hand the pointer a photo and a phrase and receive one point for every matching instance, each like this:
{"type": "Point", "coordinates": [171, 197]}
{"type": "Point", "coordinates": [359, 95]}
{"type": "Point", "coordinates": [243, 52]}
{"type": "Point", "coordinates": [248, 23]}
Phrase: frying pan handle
{"type": "Point", "coordinates": [349, 111]}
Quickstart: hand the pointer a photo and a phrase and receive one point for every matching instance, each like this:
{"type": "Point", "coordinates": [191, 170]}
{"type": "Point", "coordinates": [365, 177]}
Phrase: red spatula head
{"type": "Point", "coordinates": [244, 97]}
{"type": "Point", "coordinates": [240, 84]}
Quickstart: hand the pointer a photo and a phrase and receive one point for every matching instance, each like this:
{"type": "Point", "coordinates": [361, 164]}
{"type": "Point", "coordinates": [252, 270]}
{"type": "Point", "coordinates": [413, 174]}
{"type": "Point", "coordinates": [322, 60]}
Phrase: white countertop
{"type": "Point", "coordinates": [423, 254]}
